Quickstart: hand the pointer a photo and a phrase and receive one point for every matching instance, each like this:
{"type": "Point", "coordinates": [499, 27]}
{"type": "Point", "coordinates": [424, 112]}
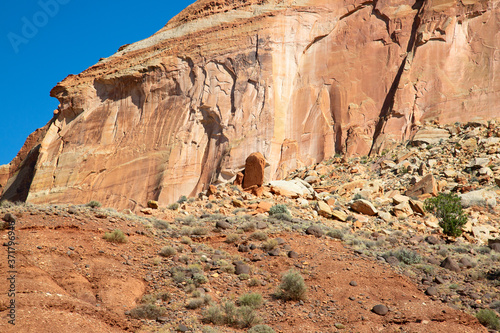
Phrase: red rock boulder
{"type": "Point", "coordinates": [254, 170]}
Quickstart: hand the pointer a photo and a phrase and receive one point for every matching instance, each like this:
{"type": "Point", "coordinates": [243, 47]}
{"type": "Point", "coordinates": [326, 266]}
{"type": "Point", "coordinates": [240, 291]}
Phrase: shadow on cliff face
{"type": "Point", "coordinates": [387, 107]}
{"type": "Point", "coordinates": [18, 186]}
{"type": "Point", "coordinates": [214, 153]}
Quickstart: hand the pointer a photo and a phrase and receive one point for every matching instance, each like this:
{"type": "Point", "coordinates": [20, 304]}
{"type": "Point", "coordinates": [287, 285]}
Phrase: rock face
{"type": "Point", "coordinates": [296, 80]}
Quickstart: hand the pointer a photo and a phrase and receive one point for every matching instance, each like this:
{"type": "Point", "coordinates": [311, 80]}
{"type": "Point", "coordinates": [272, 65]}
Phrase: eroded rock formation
{"type": "Point", "coordinates": [255, 166]}
{"type": "Point", "coordinates": [297, 81]}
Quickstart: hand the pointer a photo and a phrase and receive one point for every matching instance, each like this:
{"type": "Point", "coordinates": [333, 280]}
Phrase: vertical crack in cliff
{"type": "Point", "coordinates": [388, 105]}
{"type": "Point", "coordinates": [412, 45]}
{"type": "Point", "coordinates": [214, 151]}
{"type": "Point", "coordinates": [336, 114]}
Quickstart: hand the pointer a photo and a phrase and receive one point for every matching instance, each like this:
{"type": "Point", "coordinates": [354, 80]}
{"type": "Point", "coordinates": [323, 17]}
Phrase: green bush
{"type": "Point", "coordinates": [195, 303]}
{"type": "Point", "coordinates": [261, 329]}
{"type": "Point", "coordinates": [199, 278]}
{"type": "Point", "coordinates": [6, 204]}
{"type": "Point", "coordinates": [279, 209]}
{"type": "Point", "coordinates": [248, 226]}
{"type": "Point", "coordinates": [213, 315]}
{"type": "Point", "coordinates": [483, 250]}
{"type": "Point", "coordinates": [208, 329]}
{"type": "Point", "coordinates": [258, 235]}
{"type": "Point", "coordinates": [148, 299]}
{"type": "Point", "coordinates": [147, 311]}
{"type": "Point", "coordinates": [164, 296]}
{"type": "Point", "coordinates": [227, 268]}
{"type": "Point", "coordinates": [253, 300]}
{"type": "Point", "coordinates": [495, 305]}
{"type": "Point", "coordinates": [448, 209]}
{"type": "Point", "coordinates": [199, 231]}
{"type": "Point", "coordinates": [269, 244]}
{"type": "Point", "coordinates": [254, 282]}
{"type": "Point", "coordinates": [117, 236]}
{"type": "Point", "coordinates": [243, 277]}
{"type": "Point", "coordinates": [179, 277]}
{"type": "Point", "coordinates": [232, 238]}
{"type": "Point", "coordinates": [247, 317]}
{"type": "Point", "coordinates": [407, 256]}
{"type": "Point", "coordinates": [186, 231]}
{"type": "Point", "coordinates": [173, 206]}
{"type": "Point", "coordinates": [186, 240]}
{"type": "Point", "coordinates": [160, 224]}
{"type": "Point", "coordinates": [336, 233]}
{"type": "Point", "coordinates": [187, 220]}
{"type": "Point", "coordinates": [230, 313]}
{"type": "Point", "coordinates": [93, 204]}
{"type": "Point", "coordinates": [283, 217]}
{"type": "Point", "coordinates": [167, 251]}
{"type": "Point", "coordinates": [4, 225]}
{"type": "Point", "coordinates": [182, 199]}
{"type": "Point", "coordinates": [292, 287]}
{"type": "Point", "coordinates": [488, 318]}
{"type": "Point", "coordinates": [195, 268]}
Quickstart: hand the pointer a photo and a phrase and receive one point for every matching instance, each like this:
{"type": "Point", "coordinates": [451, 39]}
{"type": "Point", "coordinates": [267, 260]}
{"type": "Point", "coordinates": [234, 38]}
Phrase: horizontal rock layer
{"type": "Point", "coordinates": [297, 81]}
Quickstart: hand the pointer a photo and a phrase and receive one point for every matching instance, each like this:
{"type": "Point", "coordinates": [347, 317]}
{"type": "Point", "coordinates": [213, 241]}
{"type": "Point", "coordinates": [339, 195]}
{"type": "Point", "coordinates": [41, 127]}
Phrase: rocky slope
{"type": "Point", "coordinates": [297, 81]}
{"type": "Point", "coordinates": [348, 228]}
{"type": "Point", "coordinates": [71, 280]}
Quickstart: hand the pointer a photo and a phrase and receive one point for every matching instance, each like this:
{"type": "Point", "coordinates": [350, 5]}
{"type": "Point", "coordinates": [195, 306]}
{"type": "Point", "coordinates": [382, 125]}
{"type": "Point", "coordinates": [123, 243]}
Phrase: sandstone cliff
{"type": "Point", "coordinates": [297, 81]}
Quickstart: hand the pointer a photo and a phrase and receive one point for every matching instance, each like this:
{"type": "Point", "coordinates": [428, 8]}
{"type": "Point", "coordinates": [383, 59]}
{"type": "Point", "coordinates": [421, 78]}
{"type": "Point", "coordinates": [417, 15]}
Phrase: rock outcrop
{"type": "Point", "coordinates": [255, 166]}
{"type": "Point", "coordinates": [296, 80]}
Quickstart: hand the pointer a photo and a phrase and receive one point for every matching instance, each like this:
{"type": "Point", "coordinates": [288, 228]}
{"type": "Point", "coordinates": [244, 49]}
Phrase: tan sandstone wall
{"type": "Point", "coordinates": [297, 81]}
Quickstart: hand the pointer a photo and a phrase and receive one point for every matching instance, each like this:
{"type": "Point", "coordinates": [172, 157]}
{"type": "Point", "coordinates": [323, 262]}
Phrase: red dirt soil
{"type": "Point", "coordinates": [69, 279]}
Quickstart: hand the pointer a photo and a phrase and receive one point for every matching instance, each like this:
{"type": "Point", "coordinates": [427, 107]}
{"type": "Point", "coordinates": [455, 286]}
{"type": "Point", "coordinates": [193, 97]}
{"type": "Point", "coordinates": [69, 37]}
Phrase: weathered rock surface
{"type": "Point", "coordinates": [478, 198]}
{"type": "Point", "coordinates": [363, 207]}
{"type": "Point", "coordinates": [294, 186]}
{"type": "Point", "coordinates": [298, 81]}
{"type": "Point", "coordinates": [425, 186]}
{"type": "Point", "coordinates": [430, 136]}
{"type": "Point", "coordinates": [324, 209]}
{"type": "Point", "coordinates": [339, 215]}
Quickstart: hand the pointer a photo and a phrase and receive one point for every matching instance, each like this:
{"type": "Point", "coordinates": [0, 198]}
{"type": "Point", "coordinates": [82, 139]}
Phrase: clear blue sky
{"type": "Point", "coordinates": [42, 41]}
